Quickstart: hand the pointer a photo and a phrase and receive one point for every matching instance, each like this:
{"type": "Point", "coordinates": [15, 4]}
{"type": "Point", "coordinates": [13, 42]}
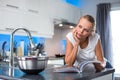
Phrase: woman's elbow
{"type": "Point", "coordinates": [68, 62]}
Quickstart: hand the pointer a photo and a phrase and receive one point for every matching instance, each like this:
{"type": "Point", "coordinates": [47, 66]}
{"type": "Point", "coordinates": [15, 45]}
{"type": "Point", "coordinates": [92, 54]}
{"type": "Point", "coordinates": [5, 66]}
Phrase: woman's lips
{"type": "Point", "coordinates": [78, 35]}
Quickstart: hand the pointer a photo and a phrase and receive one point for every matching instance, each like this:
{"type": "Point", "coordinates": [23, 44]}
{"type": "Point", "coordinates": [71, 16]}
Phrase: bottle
{"type": "Point", "coordinates": [21, 49]}
{"type": "Point", "coordinates": [22, 46]}
{"type": "Point", "coordinates": [20, 54]}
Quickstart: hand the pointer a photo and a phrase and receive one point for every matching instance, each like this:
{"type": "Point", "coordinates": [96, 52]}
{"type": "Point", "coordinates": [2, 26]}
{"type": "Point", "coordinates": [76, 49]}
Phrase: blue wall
{"type": "Point", "coordinates": [63, 43]}
{"type": "Point", "coordinates": [77, 3]}
{"type": "Point", "coordinates": [18, 39]}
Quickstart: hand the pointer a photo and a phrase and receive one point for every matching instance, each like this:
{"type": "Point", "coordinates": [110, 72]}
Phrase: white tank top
{"type": "Point", "coordinates": [87, 53]}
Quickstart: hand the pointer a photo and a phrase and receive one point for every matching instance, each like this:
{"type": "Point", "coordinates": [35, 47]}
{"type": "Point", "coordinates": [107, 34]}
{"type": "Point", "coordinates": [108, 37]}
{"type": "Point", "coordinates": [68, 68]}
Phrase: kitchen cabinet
{"type": "Point", "coordinates": [32, 5]}
{"type": "Point", "coordinates": [36, 15]}
{"type": "Point", "coordinates": [1, 21]}
{"type": "Point", "coordinates": [12, 3]}
{"type": "Point", "coordinates": [11, 14]}
{"type": "Point", "coordinates": [10, 18]}
{"type": "Point", "coordinates": [55, 61]}
{"type": "Point", "coordinates": [28, 16]}
{"type": "Point", "coordinates": [61, 10]}
{"type": "Point", "coordinates": [38, 22]}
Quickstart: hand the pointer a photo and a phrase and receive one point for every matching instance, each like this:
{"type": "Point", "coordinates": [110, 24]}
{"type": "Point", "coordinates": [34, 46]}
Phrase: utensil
{"type": "Point", "coordinates": [40, 48]}
{"type": "Point", "coordinates": [3, 51]}
{"type": "Point", "coordinates": [32, 64]}
{"type": "Point", "coordinates": [15, 47]}
{"type": "Point", "coordinates": [59, 55]}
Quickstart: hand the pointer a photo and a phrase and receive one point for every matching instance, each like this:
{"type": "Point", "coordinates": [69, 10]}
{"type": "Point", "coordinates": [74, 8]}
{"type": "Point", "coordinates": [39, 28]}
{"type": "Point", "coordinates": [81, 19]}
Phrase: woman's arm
{"type": "Point", "coordinates": [99, 55]}
{"type": "Point", "coordinates": [71, 52]}
{"type": "Point", "coordinates": [99, 51]}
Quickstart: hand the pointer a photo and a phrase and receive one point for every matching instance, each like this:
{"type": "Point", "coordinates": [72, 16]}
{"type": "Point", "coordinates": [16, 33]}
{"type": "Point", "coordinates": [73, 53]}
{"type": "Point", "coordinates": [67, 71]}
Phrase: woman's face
{"type": "Point", "coordinates": [83, 28]}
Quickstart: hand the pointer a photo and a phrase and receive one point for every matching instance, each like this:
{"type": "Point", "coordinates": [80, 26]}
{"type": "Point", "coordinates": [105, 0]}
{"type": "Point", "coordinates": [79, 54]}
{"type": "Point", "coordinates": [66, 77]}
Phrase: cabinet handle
{"type": "Point", "coordinates": [10, 29]}
{"type": "Point", "coordinates": [33, 11]}
{"type": "Point", "coordinates": [33, 31]}
{"type": "Point", "coordinates": [12, 6]}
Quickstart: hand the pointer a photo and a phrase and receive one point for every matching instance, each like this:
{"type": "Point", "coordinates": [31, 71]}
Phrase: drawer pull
{"type": "Point", "coordinates": [10, 29]}
{"type": "Point", "coordinates": [12, 6]}
{"type": "Point", "coordinates": [33, 11]}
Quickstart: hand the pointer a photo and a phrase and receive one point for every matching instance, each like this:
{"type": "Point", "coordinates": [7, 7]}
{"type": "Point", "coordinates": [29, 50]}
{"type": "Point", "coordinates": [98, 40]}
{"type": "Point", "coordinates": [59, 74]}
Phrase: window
{"type": "Point", "coordinates": [115, 25]}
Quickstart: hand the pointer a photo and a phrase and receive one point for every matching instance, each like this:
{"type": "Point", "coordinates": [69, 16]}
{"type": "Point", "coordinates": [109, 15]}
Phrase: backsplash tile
{"type": "Point", "coordinates": [17, 40]}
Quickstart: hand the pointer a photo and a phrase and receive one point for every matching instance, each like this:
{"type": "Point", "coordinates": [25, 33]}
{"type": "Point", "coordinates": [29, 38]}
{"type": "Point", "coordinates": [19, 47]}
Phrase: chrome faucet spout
{"type": "Point", "coordinates": [11, 63]}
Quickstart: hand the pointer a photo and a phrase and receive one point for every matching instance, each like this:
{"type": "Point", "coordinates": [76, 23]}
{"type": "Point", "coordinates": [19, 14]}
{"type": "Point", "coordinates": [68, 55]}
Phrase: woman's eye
{"type": "Point", "coordinates": [86, 30]}
{"type": "Point", "coordinates": [80, 26]}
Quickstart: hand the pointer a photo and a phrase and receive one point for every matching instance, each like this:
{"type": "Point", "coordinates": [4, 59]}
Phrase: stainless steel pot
{"type": "Point", "coordinates": [32, 64]}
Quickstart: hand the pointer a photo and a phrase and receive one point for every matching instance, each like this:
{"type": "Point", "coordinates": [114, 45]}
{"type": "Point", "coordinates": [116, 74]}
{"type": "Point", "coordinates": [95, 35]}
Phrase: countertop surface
{"type": "Point", "coordinates": [7, 73]}
{"type": "Point", "coordinates": [55, 58]}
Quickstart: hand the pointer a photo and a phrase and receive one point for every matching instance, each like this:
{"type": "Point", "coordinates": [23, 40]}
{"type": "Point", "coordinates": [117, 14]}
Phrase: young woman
{"type": "Point", "coordinates": [83, 44]}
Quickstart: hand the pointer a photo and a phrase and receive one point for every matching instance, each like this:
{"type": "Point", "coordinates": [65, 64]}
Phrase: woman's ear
{"type": "Point", "coordinates": [92, 31]}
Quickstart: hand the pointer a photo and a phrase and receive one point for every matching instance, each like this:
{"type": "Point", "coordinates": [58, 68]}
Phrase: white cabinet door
{"type": "Point", "coordinates": [1, 20]}
{"type": "Point", "coordinates": [62, 11]}
{"type": "Point", "coordinates": [24, 13]}
{"type": "Point", "coordinates": [12, 3]}
{"type": "Point", "coordinates": [36, 19]}
{"type": "Point", "coordinates": [11, 14]}
{"type": "Point", "coordinates": [10, 18]}
{"type": "Point", "coordinates": [46, 26]}
{"type": "Point", "coordinates": [31, 21]}
{"type": "Point", "coordinates": [32, 5]}
{"type": "Point", "coordinates": [40, 24]}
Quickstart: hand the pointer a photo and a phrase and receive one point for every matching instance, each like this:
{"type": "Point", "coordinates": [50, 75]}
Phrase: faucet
{"type": "Point", "coordinates": [33, 47]}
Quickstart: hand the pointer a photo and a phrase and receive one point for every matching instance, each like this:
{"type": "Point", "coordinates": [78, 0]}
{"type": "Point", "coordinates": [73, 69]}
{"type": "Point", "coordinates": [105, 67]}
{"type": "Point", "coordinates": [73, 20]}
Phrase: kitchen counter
{"type": "Point", "coordinates": [55, 58]}
{"type": "Point", "coordinates": [7, 73]}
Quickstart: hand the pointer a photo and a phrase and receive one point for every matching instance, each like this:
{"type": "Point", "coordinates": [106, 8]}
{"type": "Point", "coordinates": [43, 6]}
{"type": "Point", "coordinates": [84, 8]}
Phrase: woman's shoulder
{"type": "Point", "coordinates": [70, 37]}
{"type": "Point", "coordinates": [69, 34]}
{"type": "Point", "coordinates": [95, 35]}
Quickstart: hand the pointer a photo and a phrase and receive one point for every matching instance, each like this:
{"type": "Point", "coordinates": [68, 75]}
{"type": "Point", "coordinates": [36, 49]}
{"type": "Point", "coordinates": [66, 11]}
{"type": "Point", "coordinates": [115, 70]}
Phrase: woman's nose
{"type": "Point", "coordinates": [81, 30]}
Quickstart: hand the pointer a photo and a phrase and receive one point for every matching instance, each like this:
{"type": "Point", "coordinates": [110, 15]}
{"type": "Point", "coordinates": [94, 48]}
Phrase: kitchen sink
{"type": "Point", "coordinates": [5, 72]}
{"type": "Point", "coordinates": [14, 73]}
{"type": "Point", "coordinates": [8, 78]}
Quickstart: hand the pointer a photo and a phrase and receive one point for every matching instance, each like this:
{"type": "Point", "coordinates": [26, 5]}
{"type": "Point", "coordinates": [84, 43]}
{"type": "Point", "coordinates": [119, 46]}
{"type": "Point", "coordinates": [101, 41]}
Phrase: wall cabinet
{"type": "Point", "coordinates": [35, 15]}
{"type": "Point", "coordinates": [62, 10]}
{"type": "Point", "coordinates": [12, 3]}
{"type": "Point", "coordinates": [28, 16]}
{"type": "Point", "coordinates": [32, 5]}
{"type": "Point", "coordinates": [10, 18]}
{"type": "Point", "coordinates": [40, 24]}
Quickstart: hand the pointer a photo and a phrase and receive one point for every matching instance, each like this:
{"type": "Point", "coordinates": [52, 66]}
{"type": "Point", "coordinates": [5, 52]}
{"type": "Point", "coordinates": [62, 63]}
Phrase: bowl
{"type": "Point", "coordinates": [59, 55]}
{"type": "Point", "coordinates": [32, 64]}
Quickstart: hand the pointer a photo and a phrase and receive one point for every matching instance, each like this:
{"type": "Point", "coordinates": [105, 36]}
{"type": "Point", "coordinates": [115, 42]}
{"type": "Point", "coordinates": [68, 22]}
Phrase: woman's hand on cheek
{"type": "Point", "coordinates": [75, 32]}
